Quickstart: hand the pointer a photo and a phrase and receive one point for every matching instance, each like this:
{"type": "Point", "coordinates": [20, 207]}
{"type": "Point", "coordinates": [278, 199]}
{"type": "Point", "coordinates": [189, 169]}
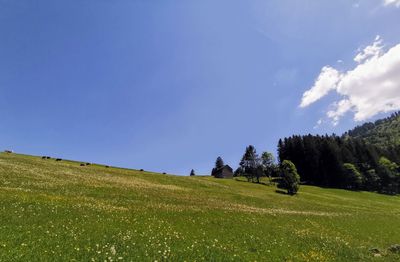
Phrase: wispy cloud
{"type": "Point", "coordinates": [372, 87]}
{"type": "Point", "coordinates": [370, 51]}
{"type": "Point", "coordinates": [392, 2]}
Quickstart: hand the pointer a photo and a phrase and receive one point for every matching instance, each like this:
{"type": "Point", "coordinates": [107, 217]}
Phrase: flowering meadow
{"type": "Point", "coordinates": [59, 210]}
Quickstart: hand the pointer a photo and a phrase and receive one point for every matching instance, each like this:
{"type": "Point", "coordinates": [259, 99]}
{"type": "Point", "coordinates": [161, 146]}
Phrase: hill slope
{"type": "Point", "coordinates": [382, 133]}
{"type": "Point", "coordinates": [61, 211]}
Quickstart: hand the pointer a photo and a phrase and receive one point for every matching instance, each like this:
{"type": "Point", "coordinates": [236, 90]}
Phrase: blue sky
{"type": "Point", "coordinates": [170, 85]}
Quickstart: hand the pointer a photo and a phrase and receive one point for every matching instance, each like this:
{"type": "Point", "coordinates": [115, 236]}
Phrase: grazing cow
{"type": "Point", "coordinates": [164, 173]}
{"type": "Point", "coordinates": [141, 170]}
{"type": "Point", "coordinates": [8, 151]}
{"type": "Point", "coordinates": [47, 157]}
{"type": "Point", "coordinates": [44, 157]}
{"type": "Point", "coordinates": [88, 164]}
{"type": "Point", "coordinates": [107, 166]}
{"type": "Point", "coordinates": [83, 164]}
{"type": "Point", "coordinates": [58, 159]}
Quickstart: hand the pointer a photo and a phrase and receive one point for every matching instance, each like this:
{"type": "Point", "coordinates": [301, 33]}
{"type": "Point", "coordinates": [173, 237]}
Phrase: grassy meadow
{"type": "Point", "coordinates": [52, 211]}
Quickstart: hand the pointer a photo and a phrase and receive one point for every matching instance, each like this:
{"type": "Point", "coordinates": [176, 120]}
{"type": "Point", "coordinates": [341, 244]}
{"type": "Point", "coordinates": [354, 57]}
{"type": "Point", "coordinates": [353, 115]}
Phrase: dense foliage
{"type": "Point", "coordinates": [383, 132]}
{"type": "Point", "coordinates": [343, 162]}
{"type": "Point", "coordinates": [254, 167]}
{"type": "Point", "coordinates": [289, 178]}
{"type": "Point", "coordinates": [251, 164]}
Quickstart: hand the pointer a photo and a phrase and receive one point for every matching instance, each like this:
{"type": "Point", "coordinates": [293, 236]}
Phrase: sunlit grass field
{"type": "Point", "coordinates": [52, 211]}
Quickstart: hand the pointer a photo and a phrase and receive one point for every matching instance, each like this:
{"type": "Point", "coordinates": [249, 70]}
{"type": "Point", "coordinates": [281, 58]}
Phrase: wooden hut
{"type": "Point", "coordinates": [223, 172]}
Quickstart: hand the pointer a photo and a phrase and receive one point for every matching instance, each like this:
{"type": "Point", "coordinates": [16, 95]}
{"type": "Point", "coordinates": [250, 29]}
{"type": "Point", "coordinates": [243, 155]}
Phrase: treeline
{"type": "Point", "coordinates": [360, 131]}
{"type": "Point", "coordinates": [343, 162]}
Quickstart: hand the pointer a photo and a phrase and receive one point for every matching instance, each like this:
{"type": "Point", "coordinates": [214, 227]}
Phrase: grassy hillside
{"type": "Point", "coordinates": [382, 133]}
{"type": "Point", "coordinates": [61, 211]}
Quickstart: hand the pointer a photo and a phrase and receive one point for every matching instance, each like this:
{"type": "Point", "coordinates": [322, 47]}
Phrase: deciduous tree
{"type": "Point", "coordinates": [290, 179]}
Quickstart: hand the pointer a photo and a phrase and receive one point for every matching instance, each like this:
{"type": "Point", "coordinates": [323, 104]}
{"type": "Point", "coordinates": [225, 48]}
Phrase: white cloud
{"type": "Point", "coordinates": [327, 80]}
{"type": "Point", "coordinates": [392, 2]}
{"type": "Point", "coordinates": [372, 87]}
{"type": "Point", "coordinates": [370, 51]}
{"type": "Point", "coordinates": [339, 109]}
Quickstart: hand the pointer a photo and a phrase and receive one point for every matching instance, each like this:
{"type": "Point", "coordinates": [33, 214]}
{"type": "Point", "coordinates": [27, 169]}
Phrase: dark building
{"type": "Point", "coordinates": [223, 172]}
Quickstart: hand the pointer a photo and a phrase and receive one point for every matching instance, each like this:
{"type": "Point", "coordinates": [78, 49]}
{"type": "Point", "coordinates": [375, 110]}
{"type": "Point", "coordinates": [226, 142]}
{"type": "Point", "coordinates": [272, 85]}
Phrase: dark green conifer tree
{"type": "Point", "coordinates": [219, 163]}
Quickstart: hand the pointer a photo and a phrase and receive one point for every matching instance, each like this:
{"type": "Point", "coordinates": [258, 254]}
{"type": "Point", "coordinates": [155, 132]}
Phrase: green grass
{"type": "Point", "coordinates": [51, 211]}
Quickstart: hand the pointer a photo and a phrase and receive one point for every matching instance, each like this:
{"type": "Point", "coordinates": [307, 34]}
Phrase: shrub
{"type": "Point", "coordinates": [290, 179]}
